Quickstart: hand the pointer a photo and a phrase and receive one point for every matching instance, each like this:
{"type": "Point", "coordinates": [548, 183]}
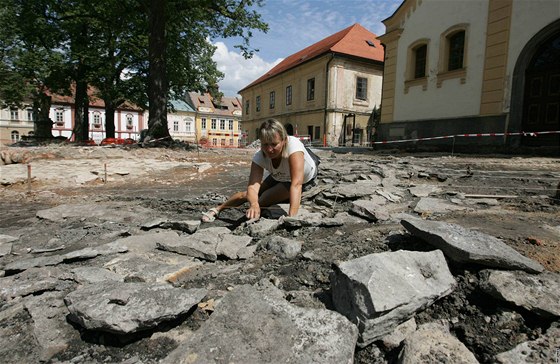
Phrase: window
{"type": "Point", "coordinates": [175, 125]}
{"type": "Point", "coordinates": [420, 53]}
{"type": "Point", "coordinates": [214, 142]}
{"type": "Point", "coordinates": [258, 103]}
{"type": "Point", "coordinates": [214, 124]}
{"type": "Point", "coordinates": [129, 121]}
{"type": "Point", "coordinates": [311, 89]}
{"type": "Point", "coordinates": [361, 88]}
{"type": "Point", "coordinates": [272, 99]}
{"type": "Point", "coordinates": [188, 126]}
{"type": "Point", "coordinates": [238, 126]}
{"type": "Point", "coordinates": [222, 124]}
{"type": "Point", "coordinates": [59, 116]}
{"type": "Point", "coordinates": [29, 114]}
{"type": "Point", "coordinates": [203, 123]}
{"type": "Point", "coordinates": [222, 142]}
{"type": "Point", "coordinates": [14, 114]}
{"type": "Point", "coordinates": [289, 95]}
{"type": "Point", "coordinates": [456, 43]}
{"type": "Point", "coordinates": [247, 107]}
{"type": "Point", "coordinates": [15, 136]}
{"type": "Point", "coordinates": [96, 120]}
{"type": "Point", "coordinates": [231, 142]}
{"type": "Point", "coordinates": [317, 132]}
{"type": "Point", "coordinates": [230, 124]}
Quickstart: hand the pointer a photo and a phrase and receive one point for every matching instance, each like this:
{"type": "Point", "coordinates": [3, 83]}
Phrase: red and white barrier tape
{"type": "Point", "coordinates": [523, 133]}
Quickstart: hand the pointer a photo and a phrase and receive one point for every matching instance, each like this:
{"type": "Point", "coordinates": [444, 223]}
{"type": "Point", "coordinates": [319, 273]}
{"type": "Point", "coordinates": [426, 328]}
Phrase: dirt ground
{"type": "Point", "coordinates": [527, 218]}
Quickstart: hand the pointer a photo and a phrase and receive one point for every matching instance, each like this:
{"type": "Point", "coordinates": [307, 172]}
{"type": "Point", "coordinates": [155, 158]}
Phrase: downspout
{"type": "Point", "coordinates": [326, 99]}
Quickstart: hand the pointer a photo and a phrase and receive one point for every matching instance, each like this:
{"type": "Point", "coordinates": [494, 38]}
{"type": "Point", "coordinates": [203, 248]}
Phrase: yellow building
{"type": "Point", "coordinates": [473, 67]}
{"type": "Point", "coordinates": [15, 123]}
{"type": "Point", "coordinates": [218, 122]}
{"type": "Point", "coordinates": [324, 93]}
{"type": "Point", "coordinates": [181, 121]}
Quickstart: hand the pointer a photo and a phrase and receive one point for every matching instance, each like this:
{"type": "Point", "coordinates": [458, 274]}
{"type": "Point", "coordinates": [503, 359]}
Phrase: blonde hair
{"type": "Point", "coordinates": [268, 130]}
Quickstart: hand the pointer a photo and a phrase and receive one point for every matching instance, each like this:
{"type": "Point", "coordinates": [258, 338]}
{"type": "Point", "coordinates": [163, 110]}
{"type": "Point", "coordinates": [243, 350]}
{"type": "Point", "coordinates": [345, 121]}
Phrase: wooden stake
{"type": "Point", "coordinates": [29, 178]}
{"type": "Point", "coordinates": [105, 168]}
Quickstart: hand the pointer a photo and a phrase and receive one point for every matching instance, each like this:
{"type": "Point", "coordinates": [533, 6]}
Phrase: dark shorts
{"type": "Point", "coordinates": [271, 182]}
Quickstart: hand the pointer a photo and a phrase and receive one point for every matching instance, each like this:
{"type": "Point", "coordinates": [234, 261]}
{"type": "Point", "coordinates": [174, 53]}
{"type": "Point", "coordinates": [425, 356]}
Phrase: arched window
{"type": "Point", "coordinates": [453, 54]}
{"type": "Point", "coordinates": [456, 51]}
{"type": "Point", "coordinates": [420, 53]}
{"type": "Point", "coordinates": [96, 119]}
{"type": "Point", "coordinates": [417, 64]}
{"type": "Point", "coordinates": [15, 136]}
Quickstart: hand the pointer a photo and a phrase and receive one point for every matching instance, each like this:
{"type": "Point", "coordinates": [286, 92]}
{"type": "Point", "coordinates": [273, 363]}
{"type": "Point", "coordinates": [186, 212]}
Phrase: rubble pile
{"type": "Point", "coordinates": [387, 261]}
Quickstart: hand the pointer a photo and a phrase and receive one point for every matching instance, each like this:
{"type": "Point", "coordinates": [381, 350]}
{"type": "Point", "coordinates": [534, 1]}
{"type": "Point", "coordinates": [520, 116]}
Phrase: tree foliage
{"type": "Point", "coordinates": [137, 50]}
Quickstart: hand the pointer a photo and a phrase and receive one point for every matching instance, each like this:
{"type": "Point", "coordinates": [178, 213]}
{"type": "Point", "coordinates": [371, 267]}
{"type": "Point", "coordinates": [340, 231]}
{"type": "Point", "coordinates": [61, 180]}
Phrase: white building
{"type": "Point", "coordinates": [472, 66]}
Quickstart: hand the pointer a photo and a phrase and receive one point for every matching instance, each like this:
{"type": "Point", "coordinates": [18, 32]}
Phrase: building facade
{"type": "Point", "coordinates": [218, 122]}
{"type": "Point", "coordinates": [181, 121]}
{"type": "Point", "coordinates": [129, 119]}
{"type": "Point", "coordinates": [468, 67]}
{"type": "Point", "coordinates": [15, 123]}
{"type": "Point", "coordinates": [324, 93]}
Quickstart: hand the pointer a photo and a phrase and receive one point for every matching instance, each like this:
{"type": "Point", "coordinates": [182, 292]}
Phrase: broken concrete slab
{"type": "Point", "coordinates": [433, 343]}
{"type": "Point", "coordinates": [209, 243]}
{"type": "Point", "coordinates": [5, 249]}
{"type": "Point", "coordinates": [230, 245]}
{"type": "Point", "coordinates": [307, 219]}
{"type": "Point", "coordinates": [17, 342]}
{"type": "Point", "coordinates": [430, 205]}
{"type": "Point", "coordinates": [35, 281]}
{"type": "Point", "coordinates": [50, 328]}
{"type": "Point", "coordinates": [151, 268]}
{"type": "Point", "coordinates": [115, 247]}
{"type": "Point", "coordinates": [539, 293]}
{"type": "Point", "coordinates": [395, 338]}
{"type": "Point", "coordinates": [371, 210]}
{"type": "Point", "coordinates": [545, 349]}
{"type": "Point", "coordinates": [146, 242]}
{"type": "Point", "coordinates": [379, 291]}
{"type": "Point", "coordinates": [124, 308]}
{"type": "Point", "coordinates": [424, 190]}
{"type": "Point", "coordinates": [87, 275]}
{"type": "Point", "coordinates": [7, 238]}
{"type": "Point", "coordinates": [284, 247]}
{"type": "Point", "coordinates": [354, 190]}
{"type": "Point", "coordinates": [261, 228]}
{"type": "Point", "coordinates": [188, 226]}
{"type": "Point", "coordinates": [257, 325]}
{"type": "Point", "coordinates": [37, 262]}
{"type": "Point", "coordinates": [469, 246]}
{"type": "Point", "coordinates": [112, 212]}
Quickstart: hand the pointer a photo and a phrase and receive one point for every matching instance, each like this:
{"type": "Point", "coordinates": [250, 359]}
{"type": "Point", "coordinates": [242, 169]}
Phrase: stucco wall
{"type": "Point", "coordinates": [528, 18]}
{"type": "Point", "coordinates": [453, 99]}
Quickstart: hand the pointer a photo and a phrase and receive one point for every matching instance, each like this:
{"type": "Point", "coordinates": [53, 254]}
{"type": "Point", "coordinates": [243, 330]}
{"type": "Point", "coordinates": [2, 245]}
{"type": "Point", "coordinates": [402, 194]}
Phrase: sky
{"type": "Point", "coordinates": [293, 26]}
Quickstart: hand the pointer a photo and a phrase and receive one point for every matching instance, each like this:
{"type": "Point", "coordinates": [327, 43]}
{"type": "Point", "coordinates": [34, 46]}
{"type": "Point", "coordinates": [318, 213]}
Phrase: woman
{"type": "Point", "coordinates": [288, 167]}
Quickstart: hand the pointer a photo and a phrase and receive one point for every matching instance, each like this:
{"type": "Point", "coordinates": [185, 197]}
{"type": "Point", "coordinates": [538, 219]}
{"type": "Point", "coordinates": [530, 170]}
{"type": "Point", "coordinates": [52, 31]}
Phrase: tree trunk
{"type": "Point", "coordinates": [157, 77]}
{"type": "Point", "coordinates": [42, 126]}
{"type": "Point", "coordinates": [109, 119]}
{"type": "Point", "coordinates": [81, 120]}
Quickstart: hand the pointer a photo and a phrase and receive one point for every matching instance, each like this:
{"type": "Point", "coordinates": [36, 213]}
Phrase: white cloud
{"type": "Point", "coordinates": [239, 72]}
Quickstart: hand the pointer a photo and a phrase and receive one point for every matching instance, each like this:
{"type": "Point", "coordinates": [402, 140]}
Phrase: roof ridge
{"type": "Point", "coordinates": [334, 43]}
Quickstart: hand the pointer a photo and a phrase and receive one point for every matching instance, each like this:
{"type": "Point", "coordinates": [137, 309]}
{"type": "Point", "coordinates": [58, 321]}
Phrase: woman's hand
{"type": "Point", "coordinates": [253, 212]}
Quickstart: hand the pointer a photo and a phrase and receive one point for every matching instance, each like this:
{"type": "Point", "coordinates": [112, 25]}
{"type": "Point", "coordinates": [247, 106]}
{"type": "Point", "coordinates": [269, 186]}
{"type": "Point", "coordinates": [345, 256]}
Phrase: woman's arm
{"type": "Point", "coordinates": [253, 187]}
{"type": "Point", "coordinates": [296, 163]}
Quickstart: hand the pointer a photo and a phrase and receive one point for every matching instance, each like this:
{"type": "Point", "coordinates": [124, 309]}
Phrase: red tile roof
{"type": "Point", "coordinates": [352, 41]}
{"type": "Point", "coordinates": [227, 105]}
{"type": "Point", "coordinates": [94, 100]}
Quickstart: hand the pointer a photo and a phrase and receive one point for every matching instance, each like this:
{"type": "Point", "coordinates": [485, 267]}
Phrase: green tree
{"type": "Point", "coordinates": [31, 65]}
{"type": "Point", "coordinates": [180, 50]}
